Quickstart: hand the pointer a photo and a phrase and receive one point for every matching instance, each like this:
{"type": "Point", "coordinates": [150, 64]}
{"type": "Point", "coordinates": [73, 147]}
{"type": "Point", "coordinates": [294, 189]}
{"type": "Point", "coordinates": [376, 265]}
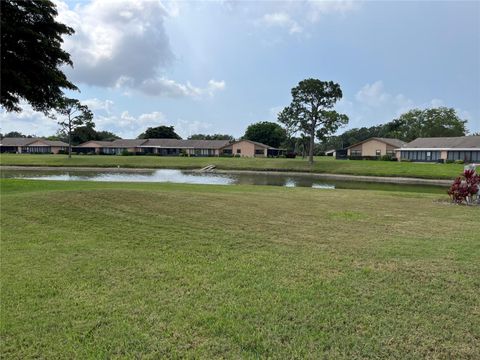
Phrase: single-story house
{"type": "Point", "coordinates": [375, 147]}
{"type": "Point", "coordinates": [114, 147]}
{"type": "Point", "coordinates": [31, 146]}
{"type": "Point", "coordinates": [92, 146]}
{"type": "Point", "coordinates": [174, 147]}
{"type": "Point", "coordinates": [248, 148]}
{"type": "Point", "coordinates": [170, 147]}
{"type": "Point", "coordinates": [440, 149]}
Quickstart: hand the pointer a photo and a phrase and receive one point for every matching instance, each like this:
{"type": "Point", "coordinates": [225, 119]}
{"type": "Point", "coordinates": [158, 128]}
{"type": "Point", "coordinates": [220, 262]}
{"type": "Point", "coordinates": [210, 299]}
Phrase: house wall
{"type": "Point", "coordinates": [247, 149]}
{"type": "Point", "coordinates": [370, 147]}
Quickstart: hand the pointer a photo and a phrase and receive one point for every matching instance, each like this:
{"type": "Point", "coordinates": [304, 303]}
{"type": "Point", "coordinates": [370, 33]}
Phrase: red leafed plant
{"type": "Point", "coordinates": [465, 188]}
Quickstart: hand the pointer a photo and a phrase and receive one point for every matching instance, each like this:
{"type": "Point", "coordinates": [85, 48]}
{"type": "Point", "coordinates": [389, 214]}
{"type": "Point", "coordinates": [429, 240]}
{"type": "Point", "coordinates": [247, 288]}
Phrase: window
{"type": "Point", "coordinates": [239, 151]}
{"type": "Point", "coordinates": [378, 152]}
{"type": "Point", "coordinates": [227, 151]}
{"type": "Point", "coordinates": [259, 152]}
{"type": "Point", "coordinates": [356, 153]}
{"type": "Point", "coordinates": [390, 152]}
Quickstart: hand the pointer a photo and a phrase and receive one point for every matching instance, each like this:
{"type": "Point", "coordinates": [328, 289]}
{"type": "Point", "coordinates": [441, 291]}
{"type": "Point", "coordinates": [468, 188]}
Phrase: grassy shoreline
{"type": "Point", "coordinates": [101, 270]}
{"type": "Point", "coordinates": [326, 165]}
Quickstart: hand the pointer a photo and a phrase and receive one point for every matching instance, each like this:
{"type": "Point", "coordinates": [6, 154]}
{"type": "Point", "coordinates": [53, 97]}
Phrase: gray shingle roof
{"type": "Point", "coordinates": [186, 144]}
{"type": "Point", "coordinates": [27, 141]}
{"type": "Point", "coordinates": [256, 143]}
{"type": "Point", "coordinates": [389, 141]}
{"type": "Point", "coordinates": [126, 143]}
{"type": "Point", "coordinates": [101, 143]}
{"type": "Point", "coordinates": [460, 142]}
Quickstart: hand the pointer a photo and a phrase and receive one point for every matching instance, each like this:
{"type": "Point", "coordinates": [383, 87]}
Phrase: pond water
{"type": "Point", "coordinates": [191, 177]}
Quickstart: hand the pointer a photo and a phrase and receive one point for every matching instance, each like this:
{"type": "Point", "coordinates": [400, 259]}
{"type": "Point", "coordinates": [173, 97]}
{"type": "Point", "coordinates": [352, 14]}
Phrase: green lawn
{"type": "Point", "coordinates": [322, 164]}
{"type": "Point", "coordinates": [112, 270]}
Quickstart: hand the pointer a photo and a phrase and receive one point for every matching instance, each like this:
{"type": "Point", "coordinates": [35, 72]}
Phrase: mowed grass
{"type": "Point", "coordinates": [111, 270]}
{"type": "Point", "coordinates": [323, 164]}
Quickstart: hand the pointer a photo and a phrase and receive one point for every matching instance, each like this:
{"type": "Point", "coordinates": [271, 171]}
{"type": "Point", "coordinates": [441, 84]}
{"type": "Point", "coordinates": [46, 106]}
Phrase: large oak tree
{"type": "Point", "coordinates": [32, 56]}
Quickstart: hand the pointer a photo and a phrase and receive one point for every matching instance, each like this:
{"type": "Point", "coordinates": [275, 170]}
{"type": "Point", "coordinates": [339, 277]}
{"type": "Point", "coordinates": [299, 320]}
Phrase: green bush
{"type": "Point", "coordinates": [459, 162]}
{"type": "Point", "coordinates": [406, 160]}
{"type": "Point", "coordinates": [448, 161]}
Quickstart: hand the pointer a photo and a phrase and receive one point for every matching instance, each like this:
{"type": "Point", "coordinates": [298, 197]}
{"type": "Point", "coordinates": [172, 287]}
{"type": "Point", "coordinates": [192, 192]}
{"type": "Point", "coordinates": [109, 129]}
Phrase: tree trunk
{"type": "Point", "coordinates": [312, 145]}
{"type": "Point", "coordinates": [69, 140]}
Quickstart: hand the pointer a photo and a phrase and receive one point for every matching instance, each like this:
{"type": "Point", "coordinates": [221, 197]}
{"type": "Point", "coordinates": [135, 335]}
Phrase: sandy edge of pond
{"type": "Point", "coordinates": [339, 177]}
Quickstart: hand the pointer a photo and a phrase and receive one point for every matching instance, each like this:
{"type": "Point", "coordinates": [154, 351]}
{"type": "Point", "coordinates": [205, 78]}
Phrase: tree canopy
{"type": "Point", "coordinates": [211, 137]}
{"type": "Point", "coordinates": [435, 122]}
{"type": "Point", "coordinates": [266, 132]}
{"type": "Point", "coordinates": [310, 111]}
{"type": "Point", "coordinates": [85, 133]}
{"type": "Point", "coordinates": [15, 134]}
{"type": "Point", "coordinates": [32, 56]}
{"type": "Point", "coordinates": [159, 132]}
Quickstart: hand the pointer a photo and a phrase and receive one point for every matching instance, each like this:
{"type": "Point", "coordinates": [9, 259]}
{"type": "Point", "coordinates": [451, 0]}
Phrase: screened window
{"type": "Point", "coordinates": [239, 151]}
{"type": "Point", "coordinates": [378, 152]}
{"type": "Point", "coordinates": [356, 153]}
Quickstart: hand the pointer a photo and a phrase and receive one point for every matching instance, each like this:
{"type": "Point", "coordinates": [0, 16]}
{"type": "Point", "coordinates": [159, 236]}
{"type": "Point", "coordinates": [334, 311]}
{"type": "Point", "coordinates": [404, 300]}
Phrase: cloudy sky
{"type": "Point", "coordinates": [217, 66]}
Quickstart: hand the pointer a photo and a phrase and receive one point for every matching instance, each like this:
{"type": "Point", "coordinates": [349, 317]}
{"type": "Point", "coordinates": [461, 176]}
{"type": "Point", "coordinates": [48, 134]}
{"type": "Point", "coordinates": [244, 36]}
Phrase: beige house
{"type": "Point", "coordinates": [31, 146]}
{"type": "Point", "coordinates": [248, 148]}
{"type": "Point", "coordinates": [375, 147]}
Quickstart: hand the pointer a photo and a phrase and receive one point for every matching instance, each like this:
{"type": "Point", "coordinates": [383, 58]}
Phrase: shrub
{"type": "Point", "coordinates": [388, 157]}
{"type": "Point", "coordinates": [459, 162]}
{"type": "Point", "coordinates": [356, 157]}
{"type": "Point", "coordinates": [406, 160]}
{"type": "Point", "coordinates": [448, 161]}
{"type": "Point", "coordinates": [62, 152]}
{"type": "Point", "coordinates": [465, 188]}
{"type": "Point", "coordinates": [125, 152]}
{"type": "Point", "coordinates": [291, 155]}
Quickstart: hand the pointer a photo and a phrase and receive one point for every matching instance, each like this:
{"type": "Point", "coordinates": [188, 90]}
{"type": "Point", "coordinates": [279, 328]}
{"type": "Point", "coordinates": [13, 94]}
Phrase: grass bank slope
{"type": "Point", "coordinates": [322, 164]}
{"type": "Point", "coordinates": [99, 270]}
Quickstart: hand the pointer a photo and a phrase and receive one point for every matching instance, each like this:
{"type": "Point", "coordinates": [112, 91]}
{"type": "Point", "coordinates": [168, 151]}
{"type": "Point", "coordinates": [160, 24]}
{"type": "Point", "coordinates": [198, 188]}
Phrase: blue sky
{"type": "Point", "coordinates": [218, 66]}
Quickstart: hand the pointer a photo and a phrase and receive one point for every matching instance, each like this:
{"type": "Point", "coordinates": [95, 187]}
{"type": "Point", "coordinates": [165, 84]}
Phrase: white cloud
{"type": "Point", "coordinates": [281, 19]}
{"type": "Point", "coordinates": [123, 44]}
{"type": "Point", "coordinates": [95, 104]}
{"type": "Point", "coordinates": [170, 88]}
{"type": "Point", "coordinates": [28, 122]}
{"type": "Point", "coordinates": [296, 16]}
{"type": "Point", "coordinates": [319, 8]}
{"type": "Point", "coordinates": [372, 94]}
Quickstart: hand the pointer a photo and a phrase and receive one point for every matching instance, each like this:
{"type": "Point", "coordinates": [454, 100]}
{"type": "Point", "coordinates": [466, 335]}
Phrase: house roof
{"type": "Point", "coordinates": [101, 143]}
{"type": "Point", "coordinates": [186, 144]}
{"type": "Point", "coordinates": [27, 141]}
{"type": "Point", "coordinates": [126, 143]}
{"type": "Point", "coordinates": [459, 142]}
{"type": "Point", "coordinates": [389, 141]}
{"type": "Point", "coordinates": [255, 143]}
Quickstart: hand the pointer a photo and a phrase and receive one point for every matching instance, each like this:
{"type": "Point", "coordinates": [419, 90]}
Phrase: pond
{"type": "Point", "coordinates": [192, 177]}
